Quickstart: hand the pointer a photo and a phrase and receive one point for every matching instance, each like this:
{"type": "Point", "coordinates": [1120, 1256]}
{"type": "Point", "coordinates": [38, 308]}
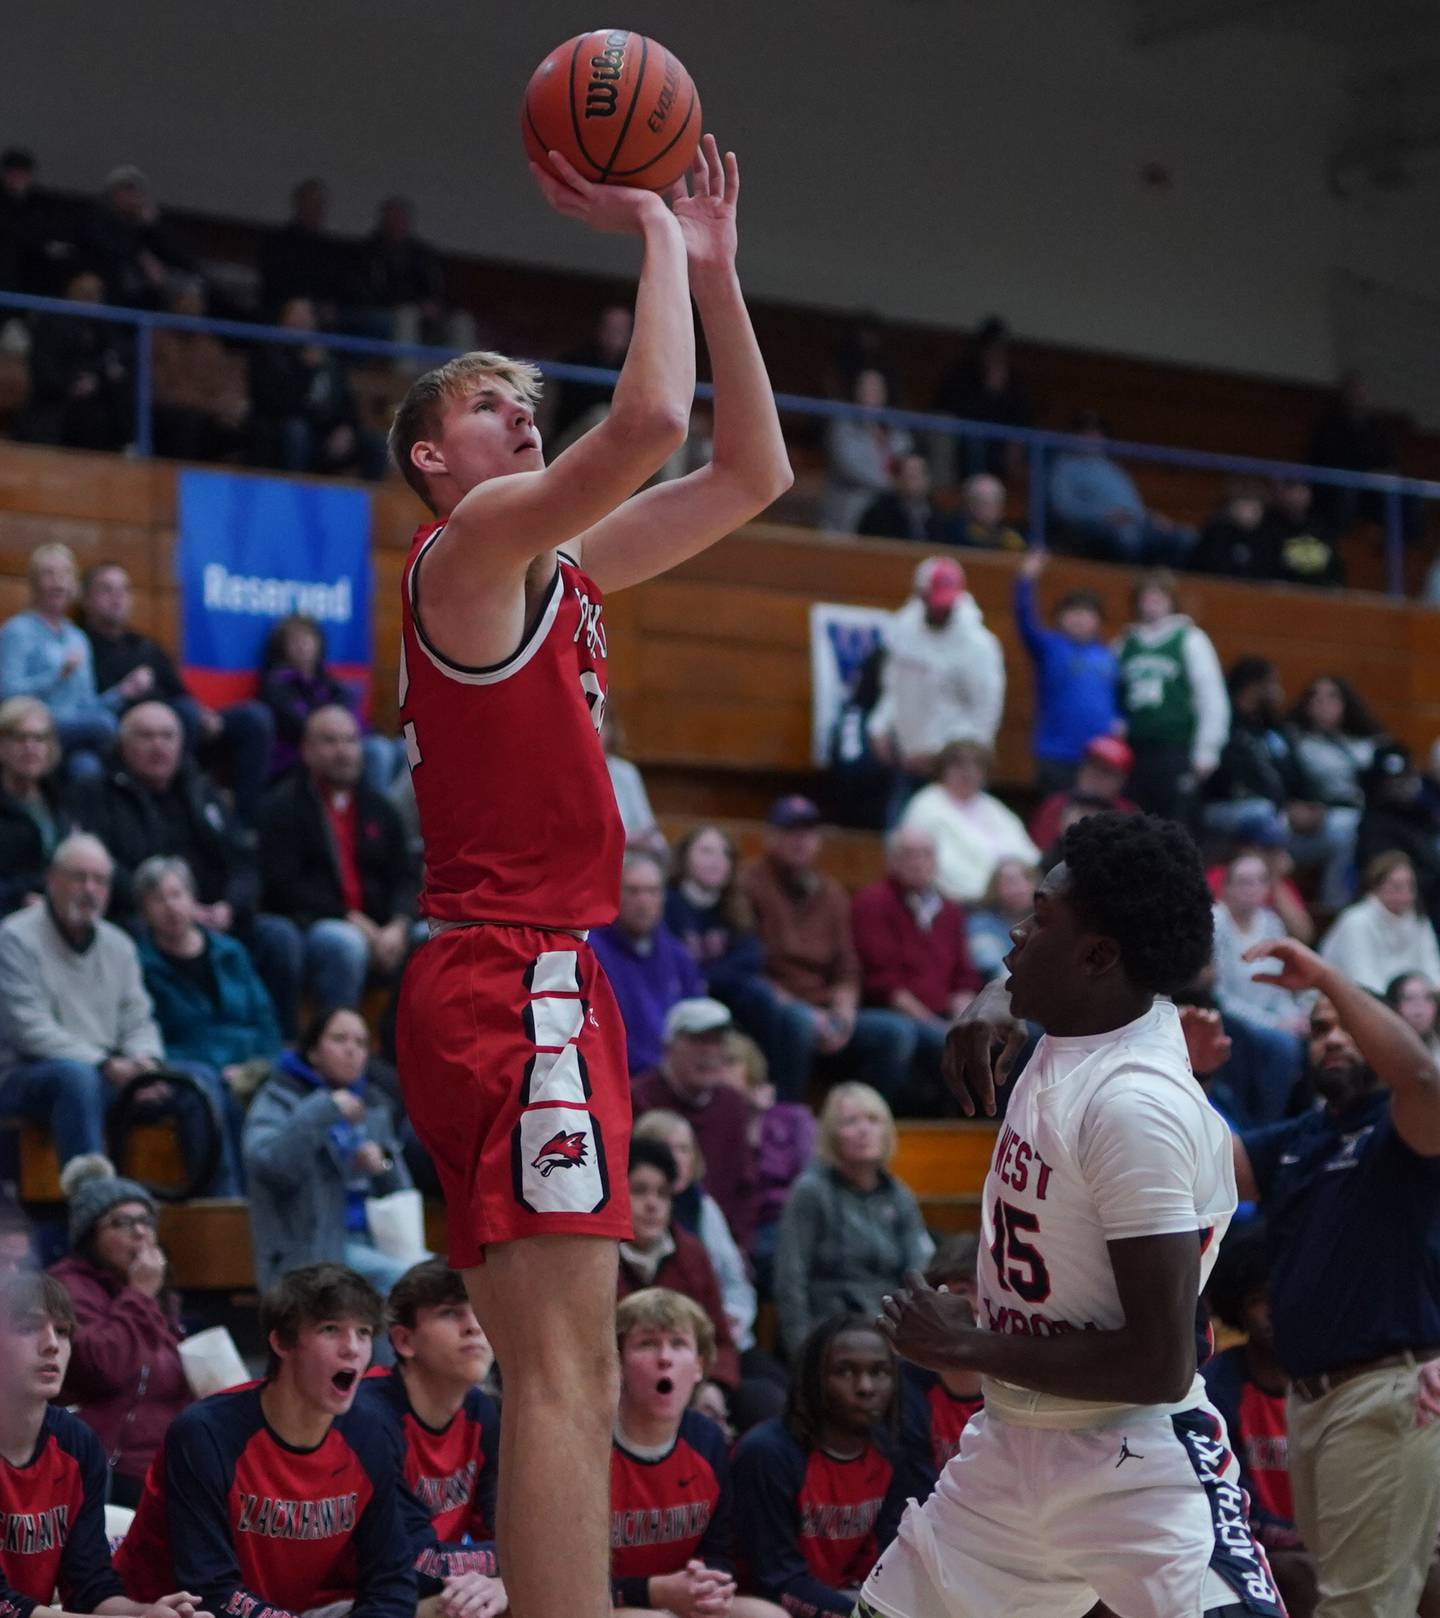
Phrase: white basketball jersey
{"type": "Point", "coordinates": [1106, 1137]}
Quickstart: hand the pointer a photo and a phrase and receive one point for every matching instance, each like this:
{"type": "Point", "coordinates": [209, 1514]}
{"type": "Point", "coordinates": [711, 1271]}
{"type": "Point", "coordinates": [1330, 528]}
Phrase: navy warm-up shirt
{"type": "Point", "coordinates": [52, 1523]}
{"type": "Point", "coordinates": [1354, 1222]}
{"type": "Point", "coordinates": [811, 1527]}
{"type": "Point", "coordinates": [259, 1529]}
{"type": "Point", "coordinates": [666, 1510]}
{"type": "Point", "coordinates": [931, 1422]}
{"type": "Point", "coordinates": [452, 1471]}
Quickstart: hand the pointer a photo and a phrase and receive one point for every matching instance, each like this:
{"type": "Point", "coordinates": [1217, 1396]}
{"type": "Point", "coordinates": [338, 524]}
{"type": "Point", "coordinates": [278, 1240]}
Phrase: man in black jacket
{"type": "Point", "coordinates": [334, 862]}
{"type": "Point", "coordinates": [1261, 776]}
{"type": "Point", "coordinates": [155, 801]}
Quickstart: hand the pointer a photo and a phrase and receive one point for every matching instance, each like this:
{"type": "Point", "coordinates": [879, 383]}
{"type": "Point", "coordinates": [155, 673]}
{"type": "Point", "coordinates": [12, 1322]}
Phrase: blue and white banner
{"type": "Point", "coordinates": [253, 550]}
{"type": "Point", "coordinates": [841, 638]}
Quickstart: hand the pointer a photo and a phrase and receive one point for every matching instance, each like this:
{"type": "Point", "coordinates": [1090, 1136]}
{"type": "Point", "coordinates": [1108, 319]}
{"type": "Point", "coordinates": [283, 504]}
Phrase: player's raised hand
{"type": "Point", "coordinates": [706, 210]}
{"type": "Point", "coordinates": [1300, 968]}
{"type": "Point", "coordinates": [621, 210]}
{"type": "Point", "coordinates": [981, 1049]}
{"type": "Point", "coordinates": [927, 1325]}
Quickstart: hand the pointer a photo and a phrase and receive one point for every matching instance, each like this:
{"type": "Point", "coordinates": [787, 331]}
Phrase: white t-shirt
{"type": "Point", "coordinates": [1107, 1137]}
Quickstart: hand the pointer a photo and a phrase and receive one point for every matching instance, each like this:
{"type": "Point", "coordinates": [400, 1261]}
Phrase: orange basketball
{"type": "Point", "coordinates": [618, 105]}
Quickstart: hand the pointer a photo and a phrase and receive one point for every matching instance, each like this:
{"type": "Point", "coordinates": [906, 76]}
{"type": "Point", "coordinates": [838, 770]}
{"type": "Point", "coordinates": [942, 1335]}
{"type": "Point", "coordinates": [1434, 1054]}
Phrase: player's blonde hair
{"type": "Point", "coordinates": [418, 415]}
{"type": "Point", "coordinates": [873, 1102]}
{"type": "Point", "coordinates": [664, 1310]}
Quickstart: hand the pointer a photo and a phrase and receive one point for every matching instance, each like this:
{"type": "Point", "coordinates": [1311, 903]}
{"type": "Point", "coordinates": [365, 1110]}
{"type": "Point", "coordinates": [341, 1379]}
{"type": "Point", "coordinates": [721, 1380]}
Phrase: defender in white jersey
{"type": "Point", "coordinates": [1097, 1469]}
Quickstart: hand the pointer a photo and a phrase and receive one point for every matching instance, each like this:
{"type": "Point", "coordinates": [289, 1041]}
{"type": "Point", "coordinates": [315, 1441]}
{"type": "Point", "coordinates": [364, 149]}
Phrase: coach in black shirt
{"type": "Point", "coordinates": [1351, 1192]}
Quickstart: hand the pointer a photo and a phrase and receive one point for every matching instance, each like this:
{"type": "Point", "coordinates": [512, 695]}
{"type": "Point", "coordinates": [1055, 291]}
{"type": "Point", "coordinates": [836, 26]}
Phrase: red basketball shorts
{"type": "Point", "coordinates": [512, 1061]}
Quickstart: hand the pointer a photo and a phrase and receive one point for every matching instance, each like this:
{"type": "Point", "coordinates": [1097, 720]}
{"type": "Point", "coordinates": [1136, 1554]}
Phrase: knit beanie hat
{"type": "Point", "coordinates": [92, 1188]}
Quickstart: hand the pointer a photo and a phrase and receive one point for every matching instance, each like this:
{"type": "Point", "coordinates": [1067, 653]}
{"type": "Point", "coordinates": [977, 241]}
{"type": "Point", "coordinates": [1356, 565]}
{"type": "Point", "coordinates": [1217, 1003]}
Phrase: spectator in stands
{"type": "Point", "coordinates": [1296, 546]}
{"type": "Point", "coordinates": [781, 1136]}
{"type": "Point", "coordinates": [135, 253]}
{"type": "Point", "coordinates": [31, 251]}
{"type": "Point", "coordinates": [1232, 543]}
{"type": "Point", "coordinates": [295, 682]}
{"type": "Point", "coordinates": [1416, 1000]}
{"type": "Point", "coordinates": [1248, 1386]}
{"type": "Point", "coordinates": [943, 679]}
{"type": "Point", "coordinates": [648, 967]}
{"type": "Point", "coordinates": [334, 862]}
{"type": "Point", "coordinates": [708, 912]}
{"type": "Point", "coordinates": [636, 816]}
{"type": "Point", "coordinates": [125, 1379]}
{"type": "Point", "coordinates": [201, 400]}
{"type": "Point", "coordinates": [1099, 784]}
{"type": "Point", "coordinates": [907, 510]}
{"type": "Point", "coordinates": [1385, 933]}
{"type": "Point", "coordinates": [319, 1141]}
{"type": "Point", "coordinates": [662, 1253]}
{"type": "Point", "coordinates": [131, 667]}
{"type": "Point", "coordinates": [1075, 678]}
{"type": "Point", "coordinates": [1261, 836]}
{"type": "Point", "coordinates": [1243, 920]}
{"type": "Point", "coordinates": [401, 279]}
{"type": "Point", "coordinates": [982, 521]}
{"type": "Point", "coordinates": [82, 376]}
{"type": "Point", "coordinates": [1401, 816]}
{"type": "Point", "coordinates": [850, 1230]}
{"type": "Point", "coordinates": [44, 655]}
{"type": "Point", "coordinates": [304, 260]}
{"type": "Point", "coordinates": [1008, 898]}
{"type": "Point", "coordinates": [304, 416]}
{"type": "Point", "coordinates": [936, 1406]}
{"type": "Point", "coordinates": [981, 386]}
{"type": "Point", "coordinates": [1337, 735]}
{"type": "Point", "coordinates": [973, 830]}
{"type": "Point", "coordinates": [1252, 1075]}
{"type": "Point", "coordinates": [825, 1462]}
{"type": "Point", "coordinates": [1261, 772]}
{"type": "Point", "coordinates": [1350, 435]}
{"type": "Point", "coordinates": [76, 1025]}
{"type": "Point", "coordinates": [209, 1001]}
{"type": "Point", "coordinates": [861, 457]}
{"type": "Point", "coordinates": [1355, 1286]}
{"type": "Point", "coordinates": [863, 343]}
{"type": "Point", "coordinates": [15, 1239]}
{"type": "Point", "coordinates": [33, 816]}
{"type": "Point", "coordinates": [1172, 698]}
{"type": "Point", "coordinates": [812, 975]}
{"type": "Point", "coordinates": [914, 957]}
{"type": "Point", "coordinates": [1097, 507]}
{"type": "Point", "coordinates": [690, 1082]}
{"type": "Point", "coordinates": [579, 405]}
{"type": "Point", "coordinates": [320, 1469]}
{"type": "Point", "coordinates": [694, 1209]}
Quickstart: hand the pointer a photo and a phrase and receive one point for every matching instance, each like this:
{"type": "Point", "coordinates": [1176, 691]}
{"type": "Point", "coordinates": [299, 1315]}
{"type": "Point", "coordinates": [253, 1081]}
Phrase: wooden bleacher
{"type": "Point", "coordinates": [710, 672]}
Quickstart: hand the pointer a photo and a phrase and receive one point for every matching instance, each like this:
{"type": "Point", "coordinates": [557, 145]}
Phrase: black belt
{"type": "Point", "coordinates": [1316, 1387]}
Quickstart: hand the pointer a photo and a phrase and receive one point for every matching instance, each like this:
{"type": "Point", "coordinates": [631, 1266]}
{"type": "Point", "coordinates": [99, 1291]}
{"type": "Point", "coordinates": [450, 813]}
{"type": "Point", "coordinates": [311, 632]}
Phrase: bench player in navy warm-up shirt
{"type": "Point", "coordinates": [670, 1497]}
{"type": "Point", "coordinates": [935, 1406]}
{"type": "Point", "coordinates": [52, 1472]}
{"type": "Point", "coordinates": [448, 1429]}
{"type": "Point", "coordinates": [280, 1497]}
{"type": "Point", "coordinates": [817, 1498]}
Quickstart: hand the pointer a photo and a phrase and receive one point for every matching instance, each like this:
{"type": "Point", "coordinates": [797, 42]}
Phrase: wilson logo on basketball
{"type": "Point", "coordinates": [605, 70]}
{"type": "Point", "coordinates": [561, 1151]}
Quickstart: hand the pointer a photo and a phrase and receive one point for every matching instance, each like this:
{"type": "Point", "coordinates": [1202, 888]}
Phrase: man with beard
{"type": "Point", "coordinates": [1352, 1197]}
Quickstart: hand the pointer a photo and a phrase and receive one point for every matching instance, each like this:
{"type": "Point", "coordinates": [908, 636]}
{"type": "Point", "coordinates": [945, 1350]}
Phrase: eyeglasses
{"type": "Point", "coordinates": [129, 1222]}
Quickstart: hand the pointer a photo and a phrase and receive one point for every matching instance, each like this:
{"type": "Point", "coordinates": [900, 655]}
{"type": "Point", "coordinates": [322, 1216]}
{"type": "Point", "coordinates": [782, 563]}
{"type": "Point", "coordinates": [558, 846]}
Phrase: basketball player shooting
{"type": "Point", "coordinates": [1097, 1467]}
{"type": "Point", "coordinates": [511, 1047]}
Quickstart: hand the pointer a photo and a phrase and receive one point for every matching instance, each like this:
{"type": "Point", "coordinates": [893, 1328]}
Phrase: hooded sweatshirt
{"type": "Point", "coordinates": [939, 685]}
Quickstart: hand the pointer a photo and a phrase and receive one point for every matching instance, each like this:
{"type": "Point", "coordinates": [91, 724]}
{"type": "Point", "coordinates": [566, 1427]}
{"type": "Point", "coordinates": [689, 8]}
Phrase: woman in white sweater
{"type": "Point", "coordinates": [1385, 933]}
{"type": "Point", "coordinates": [973, 831]}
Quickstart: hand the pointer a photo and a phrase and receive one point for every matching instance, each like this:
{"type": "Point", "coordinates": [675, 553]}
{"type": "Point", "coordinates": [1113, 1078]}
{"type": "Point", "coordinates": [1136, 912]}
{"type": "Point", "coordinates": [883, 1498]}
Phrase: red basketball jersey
{"type": "Point", "coordinates": [516, 806]}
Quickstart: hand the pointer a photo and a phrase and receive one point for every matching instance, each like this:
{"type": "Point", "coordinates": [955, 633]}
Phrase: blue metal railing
{"type": "Point", "coordinates": [1038, 443]}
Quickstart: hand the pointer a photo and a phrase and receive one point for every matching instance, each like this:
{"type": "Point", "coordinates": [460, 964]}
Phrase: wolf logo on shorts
{"type": "Point", "coordinates": [561, 1151]}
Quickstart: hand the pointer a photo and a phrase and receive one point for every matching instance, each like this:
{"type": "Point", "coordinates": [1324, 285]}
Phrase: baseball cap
{"type": "Point", "coordinates": [698, 1016]}
{"type": "Point", "coordinates": [1111, 752]}
{"type": "Point", "coordinates": [940, 581]}
{"type": "Point", "coordinates": [792, 811]}
{"type": "Point", "coordinates": [1258, 831]}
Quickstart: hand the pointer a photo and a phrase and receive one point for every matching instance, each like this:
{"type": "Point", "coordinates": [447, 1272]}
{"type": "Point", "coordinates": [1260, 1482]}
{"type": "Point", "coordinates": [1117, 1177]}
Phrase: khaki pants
{"type": "Point", "coordinates": [1366, 1482]}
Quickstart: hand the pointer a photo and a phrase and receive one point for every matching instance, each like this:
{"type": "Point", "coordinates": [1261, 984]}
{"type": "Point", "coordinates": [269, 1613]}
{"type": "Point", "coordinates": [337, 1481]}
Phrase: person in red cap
{"type": "Point", "coordinates": [943, 680]}
{"type": "Point", "coordinates": [1104, 768]}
